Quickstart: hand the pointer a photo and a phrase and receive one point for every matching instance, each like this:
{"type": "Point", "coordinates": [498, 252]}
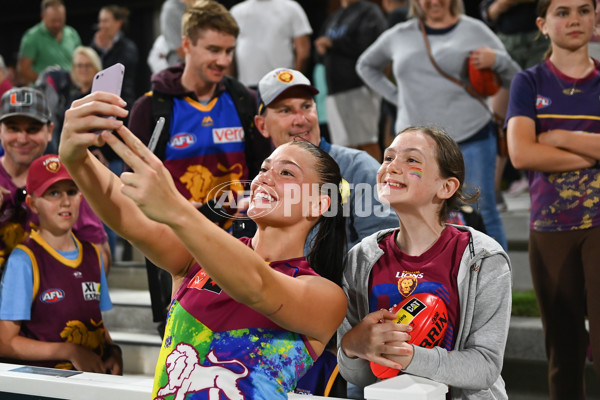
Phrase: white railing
{"type": "Point", "coordinates": [53, 383]}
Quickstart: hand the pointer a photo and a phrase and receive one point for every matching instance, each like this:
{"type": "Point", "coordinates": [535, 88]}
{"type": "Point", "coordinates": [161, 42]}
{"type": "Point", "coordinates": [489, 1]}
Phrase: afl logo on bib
{"type": "Point", "coordinates": [52, 296]}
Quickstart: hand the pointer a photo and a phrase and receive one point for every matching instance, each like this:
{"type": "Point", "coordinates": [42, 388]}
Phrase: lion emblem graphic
{"type": "Point", "coordinates": [407, 285]}
{"type": "Point", "coordinates": [200, 181]}
{"type": "Point", "coordinates": [186, 375]}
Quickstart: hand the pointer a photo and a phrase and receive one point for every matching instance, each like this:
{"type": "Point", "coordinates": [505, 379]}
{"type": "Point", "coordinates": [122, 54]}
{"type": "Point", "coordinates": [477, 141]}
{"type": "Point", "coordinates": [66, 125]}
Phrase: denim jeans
{"type": "Point", "coordinates": [480, 166]}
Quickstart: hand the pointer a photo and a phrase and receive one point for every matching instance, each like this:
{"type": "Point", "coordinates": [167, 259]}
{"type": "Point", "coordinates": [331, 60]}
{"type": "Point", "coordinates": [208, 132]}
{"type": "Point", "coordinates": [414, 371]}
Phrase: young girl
{"type": "Point", "coordinates": [422, 178]}
{"type": "Point", "coordinates": [553, 121]}
{"type": "Point", "coordinates": [247, 317]}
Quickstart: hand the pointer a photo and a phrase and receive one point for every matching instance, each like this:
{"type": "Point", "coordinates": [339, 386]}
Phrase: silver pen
{"type": "Point", "coordinates": [156, 134]}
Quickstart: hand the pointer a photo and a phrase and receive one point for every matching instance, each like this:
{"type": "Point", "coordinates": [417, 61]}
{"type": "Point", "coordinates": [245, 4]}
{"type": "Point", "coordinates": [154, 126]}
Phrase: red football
{"type": "Point", "coordinates": [484, 81]}
{"type": "Point", "coordinates": [428, 316]}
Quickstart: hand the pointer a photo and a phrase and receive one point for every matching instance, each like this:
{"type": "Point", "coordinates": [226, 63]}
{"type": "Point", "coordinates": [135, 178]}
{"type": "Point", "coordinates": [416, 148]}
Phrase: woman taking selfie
{"type": "Point", "coordinates": [238, 305]}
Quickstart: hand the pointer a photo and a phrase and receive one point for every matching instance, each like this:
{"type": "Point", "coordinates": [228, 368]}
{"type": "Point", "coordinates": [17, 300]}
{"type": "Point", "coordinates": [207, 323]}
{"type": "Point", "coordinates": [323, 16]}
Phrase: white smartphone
{"type": "Point", "coordinates": [109, 80]}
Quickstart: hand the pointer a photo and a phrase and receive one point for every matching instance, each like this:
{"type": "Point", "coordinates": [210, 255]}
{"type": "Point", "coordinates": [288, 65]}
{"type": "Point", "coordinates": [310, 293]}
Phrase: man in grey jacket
{"type": "Point", "coordinates": [287, 111]}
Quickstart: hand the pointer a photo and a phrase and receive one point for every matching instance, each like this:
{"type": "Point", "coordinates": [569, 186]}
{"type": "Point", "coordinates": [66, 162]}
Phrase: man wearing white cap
{"type": "Point", "coordinates": [286, 112]}
{"type": "Point", "coordinates": [25, 130]}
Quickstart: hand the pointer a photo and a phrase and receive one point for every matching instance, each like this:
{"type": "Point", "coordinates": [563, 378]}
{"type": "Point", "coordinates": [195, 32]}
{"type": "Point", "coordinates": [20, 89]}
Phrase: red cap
{"type": "Point", "coordinates": [44, 172]}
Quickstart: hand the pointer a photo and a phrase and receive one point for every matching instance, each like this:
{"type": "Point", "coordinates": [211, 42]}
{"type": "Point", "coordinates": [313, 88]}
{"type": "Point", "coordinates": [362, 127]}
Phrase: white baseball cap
{"type": "Point", "coordinates": [276, 82]}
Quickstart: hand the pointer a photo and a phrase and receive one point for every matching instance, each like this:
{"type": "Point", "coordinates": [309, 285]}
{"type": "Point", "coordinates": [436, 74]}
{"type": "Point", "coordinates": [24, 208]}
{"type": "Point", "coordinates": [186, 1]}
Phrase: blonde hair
{"type": "Point", "coordinates": [207, 14]}
{"type": "Point", "coordinates": [91, 55]}
{"type": "Point", "coordinates": [456, 8]}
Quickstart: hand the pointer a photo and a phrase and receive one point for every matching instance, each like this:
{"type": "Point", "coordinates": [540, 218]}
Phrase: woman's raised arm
{"type": "Point", "coordinates": [102, 189]}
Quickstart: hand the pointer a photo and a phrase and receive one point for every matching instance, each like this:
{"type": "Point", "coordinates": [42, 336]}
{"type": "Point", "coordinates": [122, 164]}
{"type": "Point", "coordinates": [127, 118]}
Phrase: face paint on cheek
{"type": "Point", "coordinates": [414, 171]}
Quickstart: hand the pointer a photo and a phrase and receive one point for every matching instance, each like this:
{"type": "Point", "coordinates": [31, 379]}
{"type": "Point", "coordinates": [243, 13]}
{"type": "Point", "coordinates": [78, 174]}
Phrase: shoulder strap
{"type": "Point", "coordinates": [162, 106]}
{"type": "Point", "coordinates": [466, 87]}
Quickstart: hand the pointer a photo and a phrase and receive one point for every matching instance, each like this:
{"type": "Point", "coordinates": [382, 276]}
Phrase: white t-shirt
{"type": "Point", "coordinates": [267, 31]}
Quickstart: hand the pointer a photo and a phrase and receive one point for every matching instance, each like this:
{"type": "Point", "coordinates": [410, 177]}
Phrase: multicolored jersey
{"type": "Point", "coordinates": [17, 220]}
{"type": "Point", "coordinates": [560, 201]}
{"type": "Point", "coordinates": [397, 275]}
{"type": "Point", "coordinates": [205, 154]}
{"type": "Point", "coordinates": [217, 348]}
{"type": "Point", "coordinates": [66, 298]}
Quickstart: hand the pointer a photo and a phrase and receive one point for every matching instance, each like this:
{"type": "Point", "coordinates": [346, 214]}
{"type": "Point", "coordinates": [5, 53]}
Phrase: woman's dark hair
{"type": "Point", "coordinates": [119, 13]}
{"type": "Point", "coordinates": [328, 248]}
{"type": "Point", "coordinates": [451, 164]}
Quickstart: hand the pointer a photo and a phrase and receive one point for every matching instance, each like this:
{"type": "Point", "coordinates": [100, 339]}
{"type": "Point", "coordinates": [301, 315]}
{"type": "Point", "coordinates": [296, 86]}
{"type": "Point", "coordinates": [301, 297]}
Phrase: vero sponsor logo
{"type": "Point", "coordinates": [228, 135]}
{"type": "Point", "coordinates": [52, 296]}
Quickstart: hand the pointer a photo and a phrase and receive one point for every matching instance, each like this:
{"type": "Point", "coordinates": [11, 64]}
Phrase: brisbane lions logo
{"type": "Point", "coordinates": [407, 285]}
{"type": "Point", "coordinates": [187, 375]}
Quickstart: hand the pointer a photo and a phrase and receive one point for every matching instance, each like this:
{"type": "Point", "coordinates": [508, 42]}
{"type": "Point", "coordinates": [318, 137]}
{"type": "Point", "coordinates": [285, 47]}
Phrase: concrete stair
{"type": "Point", "coordinates": [130, 321]}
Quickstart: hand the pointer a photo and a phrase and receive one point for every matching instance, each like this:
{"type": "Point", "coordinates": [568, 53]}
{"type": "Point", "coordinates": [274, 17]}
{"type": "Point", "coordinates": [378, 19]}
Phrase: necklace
{"type": "Point", "coordinates": [568, 91]}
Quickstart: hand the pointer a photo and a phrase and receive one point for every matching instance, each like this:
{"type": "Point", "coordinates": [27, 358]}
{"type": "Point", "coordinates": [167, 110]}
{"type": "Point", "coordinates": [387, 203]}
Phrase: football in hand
{"type": "Point", "coordinates": [428, 316]}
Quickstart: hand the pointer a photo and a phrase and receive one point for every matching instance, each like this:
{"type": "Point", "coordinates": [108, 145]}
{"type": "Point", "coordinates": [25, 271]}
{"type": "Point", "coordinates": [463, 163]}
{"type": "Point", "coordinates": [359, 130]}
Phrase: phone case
{"type": "Point", "coordinates": [109, 80]}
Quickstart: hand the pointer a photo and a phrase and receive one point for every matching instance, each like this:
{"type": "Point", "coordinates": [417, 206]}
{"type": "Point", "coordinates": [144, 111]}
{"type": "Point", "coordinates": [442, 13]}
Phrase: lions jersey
{"type": "Point", "coordinates": [217, 348]}
{"type": "Point", "coordinates": [560, 201]}
{"type": "Point", "coordinates": [397, 275]}
{"type": "Point", "coordinates": [205, 153]}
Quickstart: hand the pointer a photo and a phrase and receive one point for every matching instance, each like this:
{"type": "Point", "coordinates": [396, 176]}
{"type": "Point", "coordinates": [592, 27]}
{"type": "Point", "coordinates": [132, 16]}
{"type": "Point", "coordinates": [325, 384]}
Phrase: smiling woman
{"type": "Point", "coordinates": [239, 318]}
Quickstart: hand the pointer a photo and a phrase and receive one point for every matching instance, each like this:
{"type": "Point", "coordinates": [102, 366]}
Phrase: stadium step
{"type": "Point", "coordinates": [130, 321]}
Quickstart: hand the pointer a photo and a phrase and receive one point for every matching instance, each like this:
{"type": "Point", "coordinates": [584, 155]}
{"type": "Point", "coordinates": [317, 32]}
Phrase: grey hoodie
{"type": "Point", "coordinates": [472, 369]}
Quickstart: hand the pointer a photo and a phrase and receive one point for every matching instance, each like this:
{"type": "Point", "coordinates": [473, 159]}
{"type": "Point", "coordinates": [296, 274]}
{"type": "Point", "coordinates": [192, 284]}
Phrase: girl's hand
{"type": "Point", "coordinates": [150, 185]}
{"type": "Point", "coordinates": [85, 116]}
{"type": "Point", "coordinates": [376, 338]}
